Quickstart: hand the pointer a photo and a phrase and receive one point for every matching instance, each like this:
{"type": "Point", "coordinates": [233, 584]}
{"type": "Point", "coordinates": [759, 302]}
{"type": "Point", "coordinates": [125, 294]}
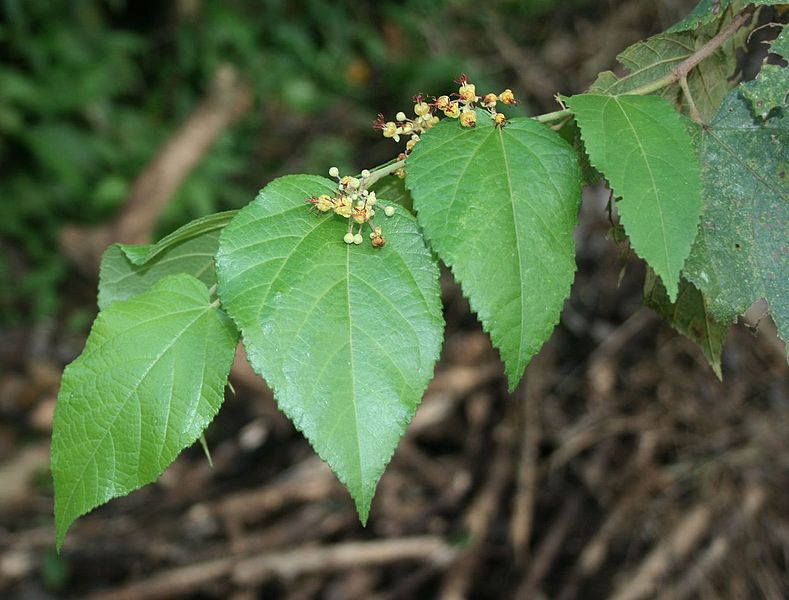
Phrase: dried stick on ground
{"type": "Point", "coordinates": [549, 547]}
{"type": "Point", "coordinates": [228, 99]}
{"type": "Point", "coordinates": [460, 576]}
{"type": "Point", "coordinates": [716, 551]}
{"type": "Point", "coordinates": [670, 551]}
{"type": "Point", "coordinates": [526, 476]}
{"type": "Point", "coordinates": [252, 571]}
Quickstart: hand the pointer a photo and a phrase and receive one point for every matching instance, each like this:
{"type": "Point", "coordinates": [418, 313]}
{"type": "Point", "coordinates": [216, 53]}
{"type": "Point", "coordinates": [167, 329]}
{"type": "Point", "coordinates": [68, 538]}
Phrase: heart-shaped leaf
{"type": "Point", "coordinates": [346, 335]}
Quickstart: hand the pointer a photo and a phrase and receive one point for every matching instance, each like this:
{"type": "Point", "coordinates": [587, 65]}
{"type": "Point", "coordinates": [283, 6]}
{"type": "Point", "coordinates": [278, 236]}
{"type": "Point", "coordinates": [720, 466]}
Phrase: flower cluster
{"type": "Point", "coordinates": [353, 201]}
{"type": "Point", "coordinates": [459, 105]}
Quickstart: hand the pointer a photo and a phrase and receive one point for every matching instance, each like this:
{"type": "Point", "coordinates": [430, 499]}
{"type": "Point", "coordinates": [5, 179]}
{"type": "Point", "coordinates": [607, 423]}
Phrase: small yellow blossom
{"type": "Point", "coordinates": [468, 118]}
{"type": "Point", "coordinates": [343, 207]}
{"type": "Point", "coordinates": [421, 108]}
{"type": "Point", "coordinates": [489, 100]}
{"type": "Point", "coordinates": [468, 92]}
{"type": "Point", "coordinates": [507, 97]}
{"type": "Point", "coordinates": [453, 110]}
{"type": "Point", "coordinates": [390, 131]}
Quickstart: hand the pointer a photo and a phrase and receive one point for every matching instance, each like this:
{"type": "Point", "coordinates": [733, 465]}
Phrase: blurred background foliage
{"type": "Point", "coordinates": [90, 90]}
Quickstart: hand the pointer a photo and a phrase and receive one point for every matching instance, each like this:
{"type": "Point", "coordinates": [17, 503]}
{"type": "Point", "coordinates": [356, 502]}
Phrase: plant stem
{"type": "Point", "coordinates": [692, 108]}
{"type": "Point", "coordinates": [382, 172]}
{"type": "Point", "coordinates": [678, 73]}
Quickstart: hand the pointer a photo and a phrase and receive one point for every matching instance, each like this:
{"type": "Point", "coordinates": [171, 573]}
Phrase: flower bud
{"type": "Point", "coordinates": [389, 211]}
{"type": "Point", "coordinates": [334, 172]}
{"type": "Point", "coordinates": [348, 238]}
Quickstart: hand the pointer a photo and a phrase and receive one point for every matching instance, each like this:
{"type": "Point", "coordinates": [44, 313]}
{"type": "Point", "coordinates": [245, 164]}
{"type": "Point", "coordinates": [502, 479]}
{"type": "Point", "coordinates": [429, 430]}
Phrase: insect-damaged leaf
{"type": "Point", "coordinates": [346, 335]}
{"type": "Point", "coordinates": [742, 251]}
{"type": "Point", "coordinates": [770, 90]}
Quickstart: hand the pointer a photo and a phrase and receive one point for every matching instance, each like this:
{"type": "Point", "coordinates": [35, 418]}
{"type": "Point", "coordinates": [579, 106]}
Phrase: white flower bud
{"type": "Point", "coordinates": [400, 116]}
{"type": "Point", "coordinates": [334, 172]}
{"type": "Point", "coordinates": [389, 210]}
{"type": "Point", "coordinates": [365, 173]}
{"type": "Point", "coordinates": [348, 238]}
{"type": "Point", "coordinates": [357, 239]}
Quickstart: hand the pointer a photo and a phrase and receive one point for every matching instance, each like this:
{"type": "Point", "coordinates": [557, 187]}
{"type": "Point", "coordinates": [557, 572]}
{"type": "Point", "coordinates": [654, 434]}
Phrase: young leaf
{"type": "Point", "coordinates": [642, 147]}
{"type": "Point", "coordinates": [742, 251]}
{"type": "Point", "coordinates": [689, 316]}
{"type": "Point", "coordinates": [770, 90]}
{"type": "Point", "coordinates": [128, 270]}
{"type": "Point", "coordinates": [149, 381]}
{"type": "Point", "coordinates": [346, 335]}
{"type": "Point", "coordinates": [499, 206]}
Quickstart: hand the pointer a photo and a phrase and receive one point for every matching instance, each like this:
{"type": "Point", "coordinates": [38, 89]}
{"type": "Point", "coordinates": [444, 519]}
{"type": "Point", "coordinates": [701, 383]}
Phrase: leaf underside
{"type": "Point", "coordinates": [151, 378]}
{"type": "Point", "coordinates": [642, 147]}
{"type": "Point", "coordinates": [499, 206]}
{"type": "Point", "coordinates": [656, 57]}
{"type": "Point", "coordinates": [742, 250]}
{"type": "Point", "coordinates": [128, 270]}
{"type": "Point", "coordinates": [690, 316]}
{"type": "Point", "coordinates": [346, 335]}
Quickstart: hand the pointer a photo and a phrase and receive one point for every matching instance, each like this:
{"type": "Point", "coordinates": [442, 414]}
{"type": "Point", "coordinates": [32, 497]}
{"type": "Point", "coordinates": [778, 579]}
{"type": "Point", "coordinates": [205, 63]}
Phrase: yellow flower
{"type": "Point", "coordinates": [421, 108]}
{"type": "Point", "coordinates": [324, 203]}
{"type": "Point", "coordinates": [468, 92]}
{"type": "Point", "coordinates": [390, 131]}
{"type": "Point", "coordinates": [343, 207]}
{"type": "Point", "coordinates": [507, 97]}
{"type": "Point", "coordinates": [468, 118]}
{"type": "Point", "coordinates": [453, 110]}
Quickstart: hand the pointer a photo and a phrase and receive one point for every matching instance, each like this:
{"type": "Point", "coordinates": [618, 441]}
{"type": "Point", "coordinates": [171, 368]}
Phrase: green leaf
{"type": "Point", "coordinates": [658, 56]}
{"type": "Point", "coordinates": [770, 90]}
{"type": "Point", "coordinates": [642, 147]}
{"type": "Point", "coordinates": [705, 12]}
{"type": "Point", "coordinates": [148, 383]}
{"type": "Point", "coordinates": [689, 316]}
{"type": "Point", "coordinates": [499, 206]}
{"type": "Point", "coordinates": [346, 335]}
{"type": "Point", "coordinates": [708, 11]}
{"type": "Point", "coordinates": [742, 251]}
{"type": "Point", "coordinates": [127, 270]}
